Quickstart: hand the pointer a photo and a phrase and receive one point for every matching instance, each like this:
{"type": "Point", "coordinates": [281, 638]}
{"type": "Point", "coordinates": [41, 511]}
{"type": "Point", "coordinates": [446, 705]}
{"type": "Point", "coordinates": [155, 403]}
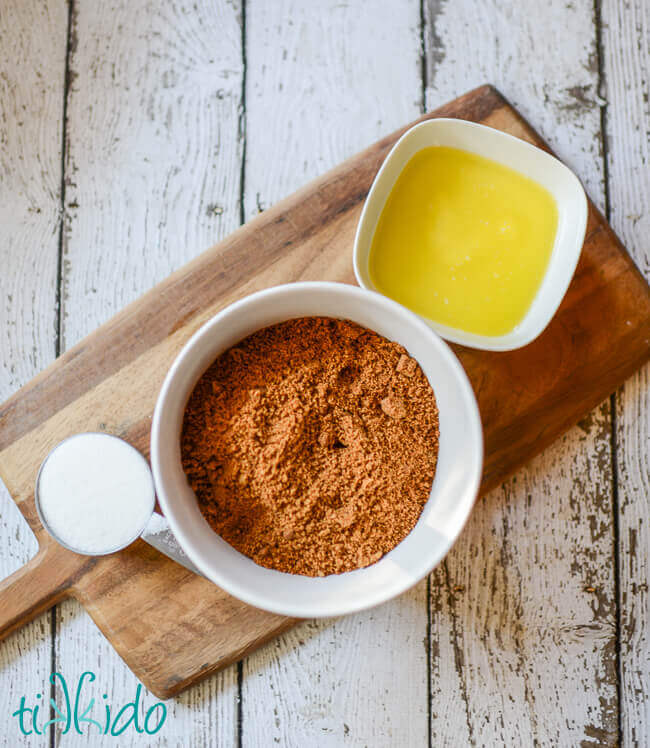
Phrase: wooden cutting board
{"type": "Point", "coordinates": [173, 627]}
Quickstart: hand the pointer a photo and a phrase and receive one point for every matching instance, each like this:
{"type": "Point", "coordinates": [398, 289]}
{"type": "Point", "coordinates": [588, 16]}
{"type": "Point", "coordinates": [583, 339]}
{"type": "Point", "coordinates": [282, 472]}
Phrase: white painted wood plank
{"type": "Point", "coordinates": [546, 625]}
{"type": "Point", "coordinates": [32, 64]}
{"type": "Point", "coordinates": [153, 178]}
{"type": "Point", "coordinates": [543, 58]}
{"type": "Point", "coordinates": [358, 681]}
{"type": "Point", "coordinates": [523, 610]}
{"type": "Point", "coordinates": [626, 62]}
{"type": "Point", "coordinates": [326, 79]}
{"type": "Point", "coordinates": [154, 156]}
{"type": "Point", "coordinates": [523, 651]}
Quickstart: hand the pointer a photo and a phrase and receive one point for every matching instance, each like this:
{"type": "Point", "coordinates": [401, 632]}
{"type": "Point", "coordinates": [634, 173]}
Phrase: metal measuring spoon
{"type": "Point", "coordinates": [120, 475]}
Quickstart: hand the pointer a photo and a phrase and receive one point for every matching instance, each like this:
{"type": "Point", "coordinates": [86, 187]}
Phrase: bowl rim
{"type": "Point", "coordinates": [475, 454]}
{"type": "Point", "coordinates": [521, 335]}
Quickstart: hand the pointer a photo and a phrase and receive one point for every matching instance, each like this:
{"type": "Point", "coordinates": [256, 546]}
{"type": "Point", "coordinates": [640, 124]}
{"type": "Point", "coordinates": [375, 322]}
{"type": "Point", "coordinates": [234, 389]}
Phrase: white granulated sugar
{"type": "Point", "coordinates": [95, 493]}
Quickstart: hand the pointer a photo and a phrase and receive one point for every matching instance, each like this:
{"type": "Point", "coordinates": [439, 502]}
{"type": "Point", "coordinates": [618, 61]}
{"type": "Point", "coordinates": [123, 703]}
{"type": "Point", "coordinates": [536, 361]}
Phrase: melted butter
{"type": "Point", "coordinates": [464, 241]}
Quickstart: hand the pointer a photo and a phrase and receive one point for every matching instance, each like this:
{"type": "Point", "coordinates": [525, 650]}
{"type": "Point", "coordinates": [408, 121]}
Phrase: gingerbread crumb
{"type": "Point", "coordinates": [311, 445]}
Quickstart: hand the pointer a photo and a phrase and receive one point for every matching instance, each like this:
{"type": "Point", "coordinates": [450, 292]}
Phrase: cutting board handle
{"type": "Point", "coordinates": [40, 584]}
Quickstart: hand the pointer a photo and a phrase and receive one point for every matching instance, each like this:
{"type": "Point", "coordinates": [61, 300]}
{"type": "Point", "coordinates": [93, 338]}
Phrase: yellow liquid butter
{"type": "Point", "coordinates": [464, 241]}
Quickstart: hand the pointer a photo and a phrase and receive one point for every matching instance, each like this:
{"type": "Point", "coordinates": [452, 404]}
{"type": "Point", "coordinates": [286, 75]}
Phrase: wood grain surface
{"type": "Point", "coordinates": [539, 665]}
{"type": "Point", "coordinates": [291, 91]}
{"type": "Point", "coordinates": [626, 85]}
{"type": "Point", "coordinates": [168, 121]}
{"type": "Point", "coordinates": [532, 651]}
{"type": "Point", "coordinates": [568, 370]}
{"type": "Point", "coordinates": [32, 70]}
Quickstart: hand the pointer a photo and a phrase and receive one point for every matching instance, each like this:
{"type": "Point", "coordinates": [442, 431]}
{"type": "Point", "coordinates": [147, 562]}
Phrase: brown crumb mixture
{"type": "Point", "coordinates": [311, 445]}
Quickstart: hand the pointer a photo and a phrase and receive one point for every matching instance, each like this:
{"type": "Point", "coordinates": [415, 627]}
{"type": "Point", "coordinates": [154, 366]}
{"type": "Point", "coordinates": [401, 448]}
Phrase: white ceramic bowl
{"type": "Point", "coordinates": [454, 487]}
{"type": "Point", "coordinates": [523, 157]}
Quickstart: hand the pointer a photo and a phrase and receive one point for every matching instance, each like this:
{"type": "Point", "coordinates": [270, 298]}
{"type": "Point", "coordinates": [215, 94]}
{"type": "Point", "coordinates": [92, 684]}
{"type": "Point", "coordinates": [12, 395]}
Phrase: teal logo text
{"type": "Point", "coordinates": [81, 712]}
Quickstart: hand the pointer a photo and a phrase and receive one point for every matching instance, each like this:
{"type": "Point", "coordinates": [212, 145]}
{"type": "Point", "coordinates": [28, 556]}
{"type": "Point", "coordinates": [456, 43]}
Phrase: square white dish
{"type": "Point", "coordinates": [524, 158]}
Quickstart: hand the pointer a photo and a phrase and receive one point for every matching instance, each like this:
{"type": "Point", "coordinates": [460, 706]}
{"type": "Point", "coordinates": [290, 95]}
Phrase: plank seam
{"type": "Point", "coordinates": [427, 640]}
{"type": "Point", "coordinates": [58, 302]}
{"type": "Point", "coordinates": [616, 538]}
{"type": "Point", "coordinates": [240, 706]}
{"type": "Point", "coordinates": [242, 220]}
{"type": "Point", "coordinates": [423, 58]}
{"type": "Point", "coordinates": [602, 91]}
{"type": "Point", "coordinates": [429, 669]}
{"type": "Point", "coordinates": [458, 655]}
{"type": "Point", "coordinates": [242, 117]}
